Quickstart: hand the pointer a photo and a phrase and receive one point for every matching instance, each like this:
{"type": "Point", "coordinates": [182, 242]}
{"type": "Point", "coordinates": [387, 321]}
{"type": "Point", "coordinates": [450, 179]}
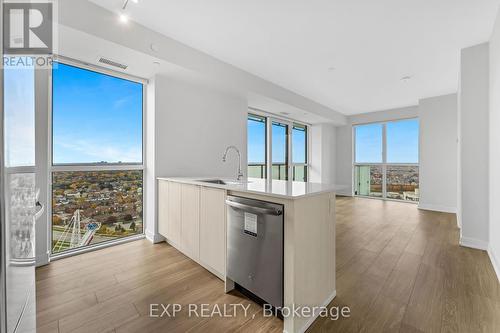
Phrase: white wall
{"type": "Point", "coordinates": [344, 150]}
{"type": "Point", "coordinates": [194, 125]}
{"type": "Point", "coordinates": [473, 141]}
{"type": "Point", "coordinates": [322, 163]}
{"type": "Point", "coordinates": [438, 153]}
{"type": "Point", "coordinates": [494, 147]}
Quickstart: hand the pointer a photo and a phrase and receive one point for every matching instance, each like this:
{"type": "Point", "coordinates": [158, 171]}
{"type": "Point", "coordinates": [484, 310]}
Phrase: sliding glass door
{"type": "Point", "coordinates": [386, 160]}
{"type": "Point", "coordinates": [97, 157]}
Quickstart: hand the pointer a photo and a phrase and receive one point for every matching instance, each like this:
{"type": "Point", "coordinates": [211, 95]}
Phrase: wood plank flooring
{"type": "Point", "coordinates": [399, 269]}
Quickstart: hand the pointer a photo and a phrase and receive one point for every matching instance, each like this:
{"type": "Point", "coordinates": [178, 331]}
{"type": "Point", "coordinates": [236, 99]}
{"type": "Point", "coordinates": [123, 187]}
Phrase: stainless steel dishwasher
{"type": "Point", "coordinates": [255, 247]}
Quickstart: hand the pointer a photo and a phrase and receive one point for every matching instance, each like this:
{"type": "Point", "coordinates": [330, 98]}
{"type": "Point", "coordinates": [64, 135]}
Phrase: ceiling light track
{"type": "Point", "coordinates": [123, 16]}
{"type": "Point", "coordinates": [125, 3]}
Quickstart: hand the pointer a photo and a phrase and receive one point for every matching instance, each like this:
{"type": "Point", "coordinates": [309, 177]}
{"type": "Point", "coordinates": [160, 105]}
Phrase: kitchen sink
{"type": "Point", "coordinates": [223, 182]}
{"type": "Point", "coordinates": [213, 181]}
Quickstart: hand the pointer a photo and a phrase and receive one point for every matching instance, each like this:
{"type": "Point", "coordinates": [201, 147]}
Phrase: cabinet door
{"type": "Point", "coordinates": [212, 229]}
{"type": "Point", "coordinates": [174, 213]}
{"type": "Point", "coordinates": [162, 207]}
{"type": "Point", "coordinates": [190, 227]}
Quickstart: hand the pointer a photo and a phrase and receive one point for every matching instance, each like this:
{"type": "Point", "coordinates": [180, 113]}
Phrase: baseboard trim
{"type": "Point", "coordinates": [154, 238]}
{"type": "Point", "coordinates": [42, 260]}
{"type": "Point", "coordinates": [96, 247]}
{"type": "Point", "coordinates": [459, 220]}
{"type": "Point", "coordinates": [438, 208]}
{"type": "Point", "coordinates": [316, 315]}
{"type": "Point", "coordinates": [474, 243]}
{"type": "Point", "coordinates": [494, 262]}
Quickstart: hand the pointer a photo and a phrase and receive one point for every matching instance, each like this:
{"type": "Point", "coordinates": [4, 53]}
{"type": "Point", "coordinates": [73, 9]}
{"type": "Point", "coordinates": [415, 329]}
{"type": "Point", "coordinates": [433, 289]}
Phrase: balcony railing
{"type": "Point", "coordinates": [258, 170]}
{"type": "Point", "coordinates": [280, 171]}
{"type": "Point", "coordinates": [401, 181]}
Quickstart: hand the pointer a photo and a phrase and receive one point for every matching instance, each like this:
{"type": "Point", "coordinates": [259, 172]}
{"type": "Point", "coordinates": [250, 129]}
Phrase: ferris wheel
{"type": "Point", "coordinates": [73, 231]}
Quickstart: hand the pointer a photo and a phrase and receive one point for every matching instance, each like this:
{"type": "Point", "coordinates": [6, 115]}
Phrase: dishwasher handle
{"type": "Point", "coordinates": [255, 210]}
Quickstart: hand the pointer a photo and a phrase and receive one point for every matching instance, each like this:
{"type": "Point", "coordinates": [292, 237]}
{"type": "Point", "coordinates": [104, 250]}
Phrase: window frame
{"type": "Point", "coordinates": [270, 118]}
{"type": "Point", "coordinates": [306, 164]}
{"type": "Point", "coordinates": [51, 167]}
{"type": "Point", "coordinates": [265, 121]}
{"type": "Point", "coordinates": [384, 163]}
{"type": "Point", "coordinates": [288, 148]}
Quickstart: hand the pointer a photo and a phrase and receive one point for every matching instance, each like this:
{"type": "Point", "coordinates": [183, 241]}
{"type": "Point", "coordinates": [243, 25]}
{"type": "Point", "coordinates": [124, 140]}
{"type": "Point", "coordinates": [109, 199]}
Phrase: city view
{"type": "Point", "coordinates": [90, 207]}
{"type": "Point", "coordinates": [402, 182]}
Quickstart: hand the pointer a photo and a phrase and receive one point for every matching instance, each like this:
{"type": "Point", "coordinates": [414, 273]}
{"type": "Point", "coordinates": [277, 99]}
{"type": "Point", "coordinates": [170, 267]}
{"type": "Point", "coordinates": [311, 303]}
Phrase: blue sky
{"type": "Point", "coordinates": [298, 145]}
{"type": "Point", "coordinates": [402, 142]}
{"type": "Point", "coordinates": [279, 143]}
{"type": "Point", "coordinates": [96, 117]}
{"type": "Point", "coordinates": [256, 141]}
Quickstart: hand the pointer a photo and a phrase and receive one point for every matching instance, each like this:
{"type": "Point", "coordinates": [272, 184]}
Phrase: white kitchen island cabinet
{"type": "Point", "coordinates": [192, 216]}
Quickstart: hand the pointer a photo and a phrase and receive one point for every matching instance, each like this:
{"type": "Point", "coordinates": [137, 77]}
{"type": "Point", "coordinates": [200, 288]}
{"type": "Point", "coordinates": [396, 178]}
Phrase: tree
{"type": "Point", "coordinates": [56, 220]}
{"type": "Point", "coordinates": [111, 219]}
{"type": "Point", "coordinates": [127, 217]}
{"type": "Point", "coordinates": [103, 229]}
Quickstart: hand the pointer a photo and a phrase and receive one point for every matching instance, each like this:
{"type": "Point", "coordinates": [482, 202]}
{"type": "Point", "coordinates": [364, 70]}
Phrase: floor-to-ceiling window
{"type": "Point", "coordinates": [386, 160]}
{"type": "Point", "coordinates": [97, 157]}
{"type": "Point", "coordinates": [277, 147]}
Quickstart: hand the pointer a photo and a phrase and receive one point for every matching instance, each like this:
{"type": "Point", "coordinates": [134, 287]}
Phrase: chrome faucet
{"type": "Point", "coordinates": [224, 158]}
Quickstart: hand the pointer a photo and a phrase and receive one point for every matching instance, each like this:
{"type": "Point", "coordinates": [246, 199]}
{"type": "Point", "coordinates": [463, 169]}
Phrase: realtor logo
{"type": "Point", "coordinates": [28, 28]}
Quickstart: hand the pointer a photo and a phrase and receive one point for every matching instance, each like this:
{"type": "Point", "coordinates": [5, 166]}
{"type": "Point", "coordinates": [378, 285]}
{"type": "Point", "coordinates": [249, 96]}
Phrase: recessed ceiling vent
{"type": "Point", "coordinates": [109, 62]}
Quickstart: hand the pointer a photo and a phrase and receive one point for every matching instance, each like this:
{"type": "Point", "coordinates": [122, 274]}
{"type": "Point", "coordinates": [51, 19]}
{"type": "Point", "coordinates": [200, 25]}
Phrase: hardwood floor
{"type": "Point", "coordinates": [399, 269]}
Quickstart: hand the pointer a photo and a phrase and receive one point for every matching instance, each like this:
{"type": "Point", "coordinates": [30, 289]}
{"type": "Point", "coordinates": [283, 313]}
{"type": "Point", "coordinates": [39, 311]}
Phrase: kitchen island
{"type": "Point", "coordinates": [192, 216]}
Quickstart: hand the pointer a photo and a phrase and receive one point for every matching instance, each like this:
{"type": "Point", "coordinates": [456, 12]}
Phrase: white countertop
{"type": "Point", "coordinates": [275, 188]}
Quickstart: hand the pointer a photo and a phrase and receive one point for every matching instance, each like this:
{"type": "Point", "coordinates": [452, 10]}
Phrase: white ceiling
{"type": "Point", "coordinates": [87, 48]}
{"type": "Point", "coordinates": [349, 55]}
